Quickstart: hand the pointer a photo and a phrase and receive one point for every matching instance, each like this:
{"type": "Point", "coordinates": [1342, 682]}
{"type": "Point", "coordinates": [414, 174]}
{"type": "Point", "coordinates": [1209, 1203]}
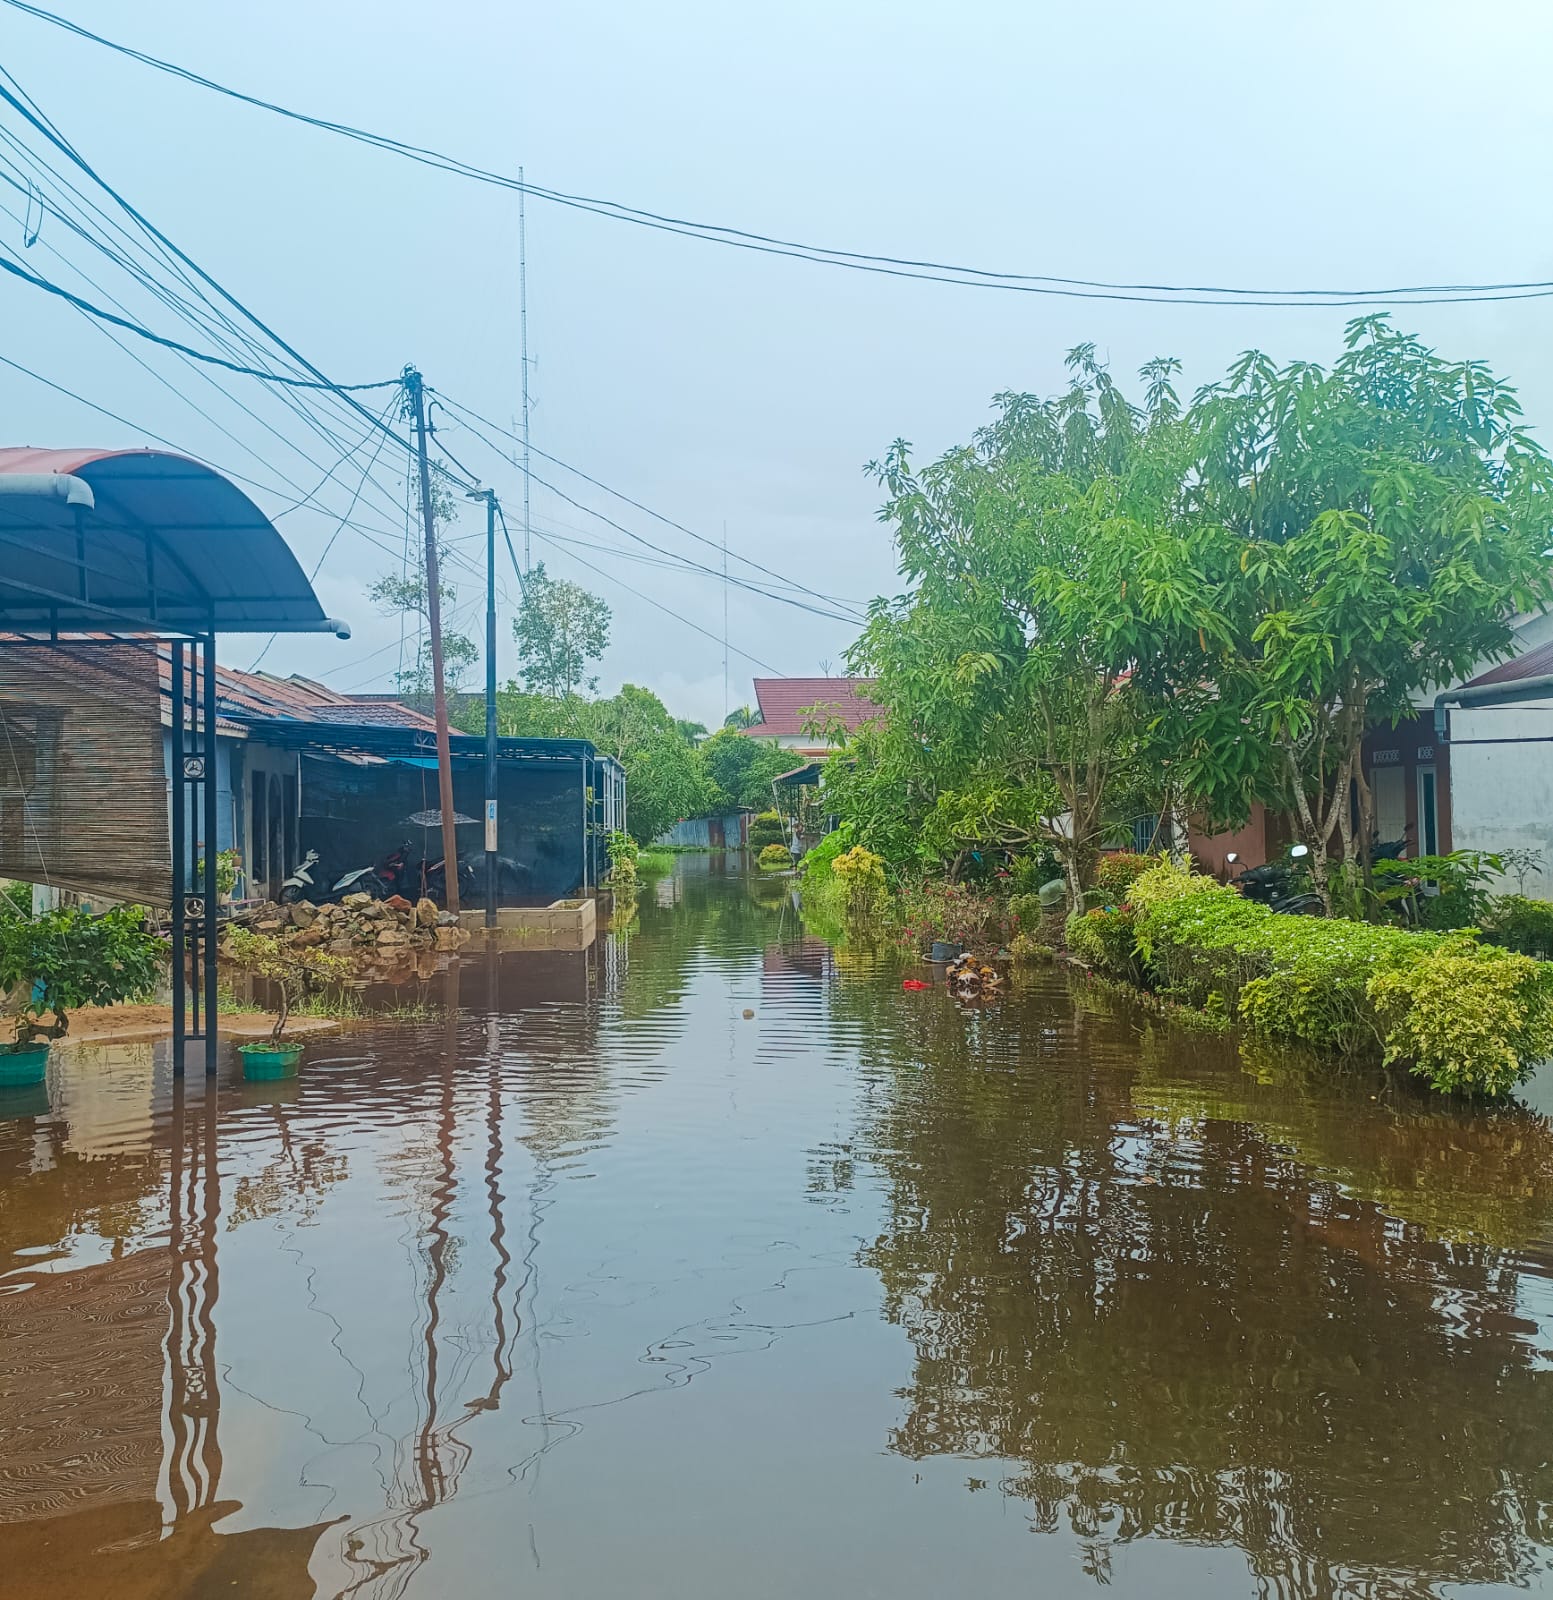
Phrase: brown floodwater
{"type": "Point", "coordinates": [606, 1288]}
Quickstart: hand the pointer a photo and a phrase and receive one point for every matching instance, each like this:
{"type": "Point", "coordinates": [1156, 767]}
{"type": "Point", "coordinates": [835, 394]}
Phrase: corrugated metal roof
{"type": "Point", "coordinates": [244, 697]}
{"type": "Point", "coordinates": [1534, 664]}
{"type": "Point", "coordinates": [165, 544]}
{"type": "Point", "coordinates": [784, 702]}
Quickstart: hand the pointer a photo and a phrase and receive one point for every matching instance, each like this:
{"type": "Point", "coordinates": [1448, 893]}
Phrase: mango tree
{"type": "Point", "coordinates": [1389, 517]}
{"type": "Point", "coordinates": [1059, 593]}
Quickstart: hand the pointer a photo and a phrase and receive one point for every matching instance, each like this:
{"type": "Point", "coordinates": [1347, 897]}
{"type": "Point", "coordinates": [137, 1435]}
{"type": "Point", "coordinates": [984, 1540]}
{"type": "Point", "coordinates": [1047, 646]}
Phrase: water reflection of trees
{"type": "Point", "coordinates": [1173, 1327]}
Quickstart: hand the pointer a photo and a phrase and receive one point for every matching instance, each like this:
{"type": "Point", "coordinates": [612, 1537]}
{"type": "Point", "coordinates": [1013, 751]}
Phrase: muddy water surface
{"type": "Point", "coordinates": [604, 1289]}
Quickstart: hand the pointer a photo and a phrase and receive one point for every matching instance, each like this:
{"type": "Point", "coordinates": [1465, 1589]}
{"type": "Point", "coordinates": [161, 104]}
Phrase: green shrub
{"type": "Point", "coordinates": [1458, 884]}
{"type": "Point", "coordinates": [1521, 924]}
{"type": "Point", "coordinates": [623, 853]}
{"type": "Point", "coordinates": [766, 829]}
{"type": "Point", "coordinates": [818, 862]}
{"type": "Point", "coordinates": [1471, 1019]}
{"type": "Point", "coordinates": [1105, 939]}
{"type": "Point", "coordinates": [69, 958]}
{"type": "Point", "coordinates": [774, 858]}
{"type": "Point", "coordinates": [1115, 873]}
{"type": "Point", "coordinates": [952, 912]}
{"type": "Point", "coordinates": [1346, 986]}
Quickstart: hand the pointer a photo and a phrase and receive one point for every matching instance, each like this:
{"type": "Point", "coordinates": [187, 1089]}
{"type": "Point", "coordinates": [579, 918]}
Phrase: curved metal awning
{"type": "Point", "coordinates": [142, 540]}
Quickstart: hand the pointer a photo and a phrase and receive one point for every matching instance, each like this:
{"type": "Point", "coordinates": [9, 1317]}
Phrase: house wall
{"type": "Point", "coordinates": [1502, 794]}
{"type": "Point", "coordinates": [1249, 844]}
{"type": "Point", "coordinates": [707, 833]}
{"type": "Point", "coordinates": [1402, 764]}
{"type": "Point", "coordinates": [226, 820]}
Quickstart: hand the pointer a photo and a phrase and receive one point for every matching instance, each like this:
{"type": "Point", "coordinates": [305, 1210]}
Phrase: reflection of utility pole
{"type": "Point", "coordinates": [191, 1464]}
{"type": "Point", "coordinates": [417, 399]}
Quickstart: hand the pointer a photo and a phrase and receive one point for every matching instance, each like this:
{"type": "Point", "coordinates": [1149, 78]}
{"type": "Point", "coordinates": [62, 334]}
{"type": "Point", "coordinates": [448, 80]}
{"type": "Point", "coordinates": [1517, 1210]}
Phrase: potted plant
{"type": "Point", "coordinates": [296, 971]}
{"type": "Point", "coordinates": [51, 965]}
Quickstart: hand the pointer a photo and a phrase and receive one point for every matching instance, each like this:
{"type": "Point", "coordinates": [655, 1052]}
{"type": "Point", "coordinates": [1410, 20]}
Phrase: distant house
{"type": "Point", "coordinates": [300, 766]}
{"type": "Point", "coordinates": [1475, 775]}
{"type": "Point", "coordinates": [789, 705]}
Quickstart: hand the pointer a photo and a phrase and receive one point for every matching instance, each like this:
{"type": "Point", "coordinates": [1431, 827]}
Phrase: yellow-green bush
{"type": "Point", "coordinates": [861, 873]}
{"type": "Point", "coordinates": [1468, 1017]}
{"type": "Point", "coordinates": [774, 858]}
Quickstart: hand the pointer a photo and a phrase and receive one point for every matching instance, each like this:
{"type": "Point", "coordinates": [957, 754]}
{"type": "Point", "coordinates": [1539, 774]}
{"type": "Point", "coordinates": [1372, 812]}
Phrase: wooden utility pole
{"type": "Point", "coordinates": [417, 399]}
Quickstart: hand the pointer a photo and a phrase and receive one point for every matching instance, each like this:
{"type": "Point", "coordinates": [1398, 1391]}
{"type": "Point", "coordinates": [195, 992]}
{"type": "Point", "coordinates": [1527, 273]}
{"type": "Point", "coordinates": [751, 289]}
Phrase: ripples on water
{"type": "Point", "coordinates": [603, 1289]}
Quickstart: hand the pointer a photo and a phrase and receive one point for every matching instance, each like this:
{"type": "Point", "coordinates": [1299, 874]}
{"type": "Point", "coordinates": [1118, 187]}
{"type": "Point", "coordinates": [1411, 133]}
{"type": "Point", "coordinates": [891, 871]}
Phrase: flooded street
{"type": "Point", "coordinates": [709, 1263]}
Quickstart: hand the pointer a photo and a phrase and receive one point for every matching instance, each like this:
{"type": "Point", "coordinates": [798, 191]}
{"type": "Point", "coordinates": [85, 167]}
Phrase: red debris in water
{"type": "Point", "coordinates": [914, 983]}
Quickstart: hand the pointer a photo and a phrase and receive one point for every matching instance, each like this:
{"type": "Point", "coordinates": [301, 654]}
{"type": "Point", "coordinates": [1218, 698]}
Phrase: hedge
{"type": "Point", "coordinates": [1469, 1017]}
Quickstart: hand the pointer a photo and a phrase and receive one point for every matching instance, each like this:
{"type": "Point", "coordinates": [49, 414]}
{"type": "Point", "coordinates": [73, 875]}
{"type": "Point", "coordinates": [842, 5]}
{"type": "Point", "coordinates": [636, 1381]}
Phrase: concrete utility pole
{"type": "Point", "coordinates": [491, 746]}
{"type": "Point", "coordinates": [417, 398]}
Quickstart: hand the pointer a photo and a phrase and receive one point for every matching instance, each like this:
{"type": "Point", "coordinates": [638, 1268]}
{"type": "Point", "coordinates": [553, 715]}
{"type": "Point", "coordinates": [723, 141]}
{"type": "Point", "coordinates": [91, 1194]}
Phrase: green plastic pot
{"type": "Point", "coordinates": [265, 1062]}
{"type": "Point", "coordinates": [22, 1065]}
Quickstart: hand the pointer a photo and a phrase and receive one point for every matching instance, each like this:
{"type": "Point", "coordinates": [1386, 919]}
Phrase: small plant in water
{"type": "Point", "coordinates": [297, 972]}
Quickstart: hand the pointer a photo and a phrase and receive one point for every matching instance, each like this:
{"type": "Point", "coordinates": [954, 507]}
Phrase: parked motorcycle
{"type": "Point", "coordinates": [434, 881]}
{"type": "Point", "coordinates": [1281, 885]}
{"type": "Point", "coordinates": [388, 878]}
{"type": "Point", "coordinates": [301, 885]}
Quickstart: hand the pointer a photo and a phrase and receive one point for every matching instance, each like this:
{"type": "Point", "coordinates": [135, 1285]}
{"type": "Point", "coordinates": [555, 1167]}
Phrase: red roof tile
{"type": "Point", "coordinates": [786, 702]}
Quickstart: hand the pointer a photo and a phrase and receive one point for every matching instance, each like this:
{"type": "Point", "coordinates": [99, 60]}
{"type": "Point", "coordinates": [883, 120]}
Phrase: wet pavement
{"type": "Point", "coordinates": [606, 1289]}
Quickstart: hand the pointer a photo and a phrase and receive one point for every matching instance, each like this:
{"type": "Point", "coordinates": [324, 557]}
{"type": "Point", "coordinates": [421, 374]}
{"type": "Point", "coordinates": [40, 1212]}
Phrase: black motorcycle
{"type": "Point", "coordinates": [1282, 886]}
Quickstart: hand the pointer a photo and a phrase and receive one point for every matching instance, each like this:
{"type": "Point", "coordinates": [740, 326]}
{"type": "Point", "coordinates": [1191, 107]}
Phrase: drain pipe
{"type": "Point", "coordinates": [1511, 692]}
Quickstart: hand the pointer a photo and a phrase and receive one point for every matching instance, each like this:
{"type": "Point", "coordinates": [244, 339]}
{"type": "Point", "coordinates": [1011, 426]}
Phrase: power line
{"type": "Point", "coordinates": [638, 595]}
{"type": "Point", "coordinates": [323, 555]}
{"type": "Point", "coordinates": [685, 561]}
{"type": "Point", "coordinates": [824, 255]}
{"type": "Point", "coordinates": [172, 344]}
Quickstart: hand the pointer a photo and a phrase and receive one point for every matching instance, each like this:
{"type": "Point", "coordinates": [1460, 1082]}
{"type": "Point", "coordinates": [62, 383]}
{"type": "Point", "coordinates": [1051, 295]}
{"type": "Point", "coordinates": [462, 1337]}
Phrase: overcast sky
{"type": "Point", "coordinates": [1233, 142]}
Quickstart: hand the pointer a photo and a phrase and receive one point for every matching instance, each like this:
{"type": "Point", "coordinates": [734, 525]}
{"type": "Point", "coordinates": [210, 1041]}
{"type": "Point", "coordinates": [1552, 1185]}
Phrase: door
{"type": "Point", "coordinates": [1388, 788]}
{"type": "Point", "coordinates": [1428, 813]}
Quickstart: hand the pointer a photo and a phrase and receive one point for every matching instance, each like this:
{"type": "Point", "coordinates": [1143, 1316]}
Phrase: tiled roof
{"type": "Point", "coordinates": [785, 702]}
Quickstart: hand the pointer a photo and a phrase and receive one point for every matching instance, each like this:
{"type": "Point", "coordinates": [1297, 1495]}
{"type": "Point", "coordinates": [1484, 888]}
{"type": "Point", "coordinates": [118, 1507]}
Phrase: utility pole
{"type": "Point", "coordinates": [491, 748]}
{"type": "Point", "coordinates": [417, 398]}
{"type": "Point", "coordinates": [528, 558]}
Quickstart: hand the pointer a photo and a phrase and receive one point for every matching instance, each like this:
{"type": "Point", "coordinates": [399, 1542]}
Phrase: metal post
{"type": "Point", "coordinates": [491, 797]}
{"type": "Point", "coordinates": [210, 857]}
{"type": "Point", "coordinates": [416, 393]}
{"type": "Point", "coordinates": [178, 885]}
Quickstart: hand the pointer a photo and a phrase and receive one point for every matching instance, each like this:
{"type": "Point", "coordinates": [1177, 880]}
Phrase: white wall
{"type": "Point", "coordinates": [1502, 794]}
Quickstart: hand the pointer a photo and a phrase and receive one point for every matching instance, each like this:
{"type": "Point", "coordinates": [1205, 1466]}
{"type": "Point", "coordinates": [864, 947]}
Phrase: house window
{"type": "Point", "coordinates": [1428, 813]}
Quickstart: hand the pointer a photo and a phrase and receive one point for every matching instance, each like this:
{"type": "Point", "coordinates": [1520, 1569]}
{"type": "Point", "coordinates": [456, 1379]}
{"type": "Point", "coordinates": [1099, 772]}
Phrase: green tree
{"type": "Point", "coordinates": [739, 769]}
{"type": "Point", "coordinates": [663, 774]}
{"type": "Point", "coordinates": [396, 595]}
{"type": "Point", "coordinates": [1389, 518]}
{"type": "Point", "coordinates": [1058, 592]}
{"type": "Point", "coordinates": [742, 717]}
{"type": "Point", "coordinates": [560, 630]}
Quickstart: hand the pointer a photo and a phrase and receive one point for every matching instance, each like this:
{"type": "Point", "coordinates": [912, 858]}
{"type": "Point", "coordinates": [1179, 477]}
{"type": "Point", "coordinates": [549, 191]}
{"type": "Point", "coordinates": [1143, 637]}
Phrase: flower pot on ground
{"type": "Point", "coordinates": [22, 1065]}
{"type": "Point", "coordinates": [53, 964]}
{"type": "Point", "coordinates": [264, 1060]}
{"type": "Point", "coordinates": [297, 971]}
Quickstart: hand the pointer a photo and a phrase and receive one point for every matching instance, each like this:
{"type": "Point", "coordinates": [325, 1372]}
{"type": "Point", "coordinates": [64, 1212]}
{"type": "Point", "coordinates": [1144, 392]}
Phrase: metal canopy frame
{"type": "Point", "coordinates": [98, 543]}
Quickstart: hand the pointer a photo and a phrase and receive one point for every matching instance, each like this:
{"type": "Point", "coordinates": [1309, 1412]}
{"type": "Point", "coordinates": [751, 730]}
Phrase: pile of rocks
{"type": "Point", "coordinates": [359, 925]}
